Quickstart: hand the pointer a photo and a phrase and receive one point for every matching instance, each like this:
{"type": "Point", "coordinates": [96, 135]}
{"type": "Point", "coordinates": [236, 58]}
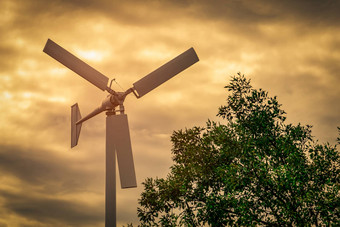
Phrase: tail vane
{"type": "Point", "coordinates": [75, 128]}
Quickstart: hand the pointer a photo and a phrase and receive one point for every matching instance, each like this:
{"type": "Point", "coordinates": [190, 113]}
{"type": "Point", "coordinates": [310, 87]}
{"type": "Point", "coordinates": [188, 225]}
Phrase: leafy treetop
{"type": "Point", "coordinates": [254, 169]}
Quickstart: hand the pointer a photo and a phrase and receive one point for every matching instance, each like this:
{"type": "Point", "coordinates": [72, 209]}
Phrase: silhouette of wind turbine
{"type": "Point", "coordinates": [117, 129]}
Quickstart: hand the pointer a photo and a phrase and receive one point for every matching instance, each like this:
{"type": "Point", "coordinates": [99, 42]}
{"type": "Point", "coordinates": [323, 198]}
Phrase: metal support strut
{"type": "Point", "coordinates": [110, 178]}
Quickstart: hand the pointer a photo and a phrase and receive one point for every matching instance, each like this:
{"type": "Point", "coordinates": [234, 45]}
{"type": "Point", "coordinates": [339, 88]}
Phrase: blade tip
{"type": "Point", "coordinates": [195, 54]}
{"type": "Point", "coordinates": [46, 45]}
{"type": "Point", "coordinates": [132, 186]}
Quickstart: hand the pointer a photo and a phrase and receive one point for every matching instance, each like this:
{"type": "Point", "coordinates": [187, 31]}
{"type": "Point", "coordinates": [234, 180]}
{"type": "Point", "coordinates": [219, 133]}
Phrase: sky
{"type": "Point", "coordinates": [289, 48]}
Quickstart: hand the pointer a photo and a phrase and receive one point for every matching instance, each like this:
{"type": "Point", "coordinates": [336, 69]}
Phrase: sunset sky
{"type": "Point", "coordinates": [289, 48]}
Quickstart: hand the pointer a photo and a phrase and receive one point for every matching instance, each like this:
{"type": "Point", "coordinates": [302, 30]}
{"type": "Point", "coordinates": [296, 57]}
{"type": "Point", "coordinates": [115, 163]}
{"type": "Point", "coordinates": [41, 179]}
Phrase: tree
{"type": "Point", "coordinates": [254, 169]}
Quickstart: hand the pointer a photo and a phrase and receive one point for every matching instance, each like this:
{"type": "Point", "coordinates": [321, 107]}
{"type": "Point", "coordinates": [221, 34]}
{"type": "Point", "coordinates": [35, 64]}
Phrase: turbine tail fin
{"type": "Point", "coordinates": [75, 128]}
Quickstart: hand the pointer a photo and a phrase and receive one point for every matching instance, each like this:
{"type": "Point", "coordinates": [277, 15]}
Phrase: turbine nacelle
{"type": "Point", "coordinates": [109, 104]}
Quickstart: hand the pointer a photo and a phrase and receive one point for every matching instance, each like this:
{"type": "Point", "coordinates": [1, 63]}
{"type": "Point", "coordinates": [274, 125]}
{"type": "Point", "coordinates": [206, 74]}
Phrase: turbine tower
{"type": "Point", "coordinates": [117, 129]}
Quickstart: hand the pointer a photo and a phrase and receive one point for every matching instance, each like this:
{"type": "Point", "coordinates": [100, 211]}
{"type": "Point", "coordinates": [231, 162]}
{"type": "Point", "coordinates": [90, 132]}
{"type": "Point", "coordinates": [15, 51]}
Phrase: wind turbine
{"type": "Point", "coordinates": [117, 129]}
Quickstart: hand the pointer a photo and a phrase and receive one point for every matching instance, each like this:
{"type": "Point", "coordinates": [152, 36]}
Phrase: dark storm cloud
{"type": "Point", "coordinates": [244, 13]}
{"type": "Point", "coordinates": [153, 13]}
{"type": "Point", "coordinates": [253, 12]}
{"type": "Point", "coordinates": [51, 212]}
{"type": "Point", "coordinates": [44, 177]}
{"type": "Point", "coordinates": [40, 167]}
{"type": "Point", "coordinates": [315, 11]}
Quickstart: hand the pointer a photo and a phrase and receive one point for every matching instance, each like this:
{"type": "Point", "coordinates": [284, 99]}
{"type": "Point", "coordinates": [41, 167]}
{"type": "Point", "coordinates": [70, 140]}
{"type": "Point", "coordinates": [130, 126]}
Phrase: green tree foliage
{"type": "Point", "coordinates": [254, 169]}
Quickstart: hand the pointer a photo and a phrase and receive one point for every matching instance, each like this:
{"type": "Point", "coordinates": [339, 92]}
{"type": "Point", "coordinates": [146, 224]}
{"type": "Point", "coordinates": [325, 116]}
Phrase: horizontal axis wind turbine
{"type": "Point", "coordinates": [117, 130]}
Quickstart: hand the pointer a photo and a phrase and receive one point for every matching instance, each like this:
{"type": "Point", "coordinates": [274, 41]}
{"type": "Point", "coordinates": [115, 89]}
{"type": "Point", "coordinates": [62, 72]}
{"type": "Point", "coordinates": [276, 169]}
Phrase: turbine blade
{"type": "Point", "coordinates": [165, 72]}
{"type": "Point", "coordinates": [76, 65]}
{"type": "Point", "coordinates": [117, 130]}
{"type": "Point", "coordinates": [75, 128]}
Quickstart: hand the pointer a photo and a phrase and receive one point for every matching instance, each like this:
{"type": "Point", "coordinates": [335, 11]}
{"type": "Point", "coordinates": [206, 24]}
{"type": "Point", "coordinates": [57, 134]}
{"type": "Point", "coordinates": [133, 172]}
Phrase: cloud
{"type": "Point", "coordinates": [50, 211]}
{"type": "Point", "coordinates": [49, 170]}
{"type": "Point", "coordinates": [289, 48]}
{"type": "Point", "coordinates": [50, 189]}
{"type": "Point", "coordinates": [246, 13]}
